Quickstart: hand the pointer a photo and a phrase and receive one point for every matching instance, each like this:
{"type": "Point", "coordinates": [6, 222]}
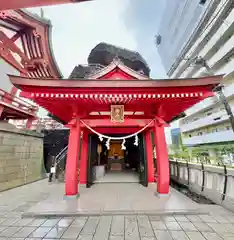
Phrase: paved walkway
{"type": "Point", "coordinates": [180, 227]}
{"type": "Point", "coordinates": [106, 198]}
{"type": "Point", "coordinates": [218, 225]}
{"type": "Point", "coordinates": [119, 177]}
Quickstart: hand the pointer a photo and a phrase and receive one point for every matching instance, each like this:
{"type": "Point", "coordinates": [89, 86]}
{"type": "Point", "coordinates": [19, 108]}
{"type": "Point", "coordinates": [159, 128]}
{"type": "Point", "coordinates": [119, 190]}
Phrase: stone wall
{"type": "Point", "coordinates": [21, 157]}
{"type": "Point", "coordinates": [214, 182]}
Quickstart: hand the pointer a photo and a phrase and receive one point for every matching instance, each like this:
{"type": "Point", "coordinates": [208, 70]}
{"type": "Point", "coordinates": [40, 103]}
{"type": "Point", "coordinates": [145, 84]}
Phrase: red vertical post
{"type": "Point", "coordinates": [162, 159]}
{"type": "Point", "coordinates": [149, 156]}
{"type": "Point", "coordinates": [1, 110]}
{"type": "Point", "coordinates": [13, 90]}
{"type": "Point", "coordinates": [84, 158]}
{"type": "Point", "coordinates": [29, 123]}
{"type": "Point", "coordinates": [71, 175]}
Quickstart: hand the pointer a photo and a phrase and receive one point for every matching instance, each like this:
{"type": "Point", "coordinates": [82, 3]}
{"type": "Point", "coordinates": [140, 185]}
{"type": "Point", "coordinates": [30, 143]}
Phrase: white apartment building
{"type": "Point", "coordinates": [212, 39]}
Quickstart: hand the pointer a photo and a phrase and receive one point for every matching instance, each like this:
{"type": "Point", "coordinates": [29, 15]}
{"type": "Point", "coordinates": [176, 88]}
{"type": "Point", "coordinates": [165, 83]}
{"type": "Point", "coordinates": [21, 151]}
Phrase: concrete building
{"type": "Point", "coordinates": [178, 23]}
{"type": "Point", "coordinates": [176, 137]}
{"type": "Point", "coordinates": [212, 41]}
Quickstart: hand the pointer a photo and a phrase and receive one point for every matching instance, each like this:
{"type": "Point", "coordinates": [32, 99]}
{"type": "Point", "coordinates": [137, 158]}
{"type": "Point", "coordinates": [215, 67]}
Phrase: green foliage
{"type": "Point", "coordinates": [180, 153]}
{"type": "Point", "coordinates": [201, 153]}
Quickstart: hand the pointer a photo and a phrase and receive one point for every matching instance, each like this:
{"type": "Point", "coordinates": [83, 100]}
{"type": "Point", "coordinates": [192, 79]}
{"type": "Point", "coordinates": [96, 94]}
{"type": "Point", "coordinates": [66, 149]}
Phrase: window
{"type": "Point", "coordinates": [208, 114]}
{"type": "Point", "coordinates": [208, 110]}
{"type": "Point", "coordinates": [228, 128]}
{"type": "Point", "coordinates": [190, 135]}
{"type": "Point", "coordinates": [218, 118]}
{"type": "Point", "coordinates": [202, 2]}
{"type": "Point", "coordinates": [200, 133]}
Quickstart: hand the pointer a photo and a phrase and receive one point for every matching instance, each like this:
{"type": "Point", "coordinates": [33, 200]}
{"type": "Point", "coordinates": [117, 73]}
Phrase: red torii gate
{"type": "Point", "coordinates": [74, 100]}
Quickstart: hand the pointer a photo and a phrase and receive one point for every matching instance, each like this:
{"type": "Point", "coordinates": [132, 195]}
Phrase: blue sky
{"type": "Point", "coordinates": [132, 24]}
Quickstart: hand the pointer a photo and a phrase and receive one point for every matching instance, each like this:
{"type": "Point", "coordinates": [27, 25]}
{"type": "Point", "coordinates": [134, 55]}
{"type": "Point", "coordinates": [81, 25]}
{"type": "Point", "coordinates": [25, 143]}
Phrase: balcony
{"type": "Point", "coordinates": [229, 90]}
{"type": "Point", "coordinates": [214, 118]}
{"type": "Point", "coordinates": [223, 136]}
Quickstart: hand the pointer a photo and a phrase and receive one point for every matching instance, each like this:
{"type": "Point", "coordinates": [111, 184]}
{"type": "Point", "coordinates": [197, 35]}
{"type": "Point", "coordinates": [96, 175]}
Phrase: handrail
{"type": "Point", "coordinates": [41, 122]}
{"type": "Point", "coordinates": [15, 98]}
{"type": "Point", "coordinates": [59, 157]}
{"type": "Point", "coordinates": [17, 102]}
{"type": "Point", "coordinates": [61, 152]}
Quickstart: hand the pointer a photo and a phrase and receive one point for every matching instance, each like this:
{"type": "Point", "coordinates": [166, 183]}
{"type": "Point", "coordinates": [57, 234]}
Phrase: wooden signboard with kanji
{"type": "Point", "coordinates": [117, 113]}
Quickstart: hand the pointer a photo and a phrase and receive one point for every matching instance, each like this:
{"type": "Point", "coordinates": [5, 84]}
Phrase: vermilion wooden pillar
{"type": "Point", "coordinates": [71, 176]}
{"type": "Point", "coordinates": [162, 158]}
{"type": "Point", "coordinates": [13, 90]}
{"type": "Point", "coordinates": [149, 156]}
{"type": "Point", "coordinates": [84, 158]}
{"type": "Point", "coordinates": [1, 110]}
{"type": "Point", "coordinates": [29, 123]}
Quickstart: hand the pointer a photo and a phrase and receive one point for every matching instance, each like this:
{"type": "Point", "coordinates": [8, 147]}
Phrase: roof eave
{"type": "Point", "coordinates": [55, 63]}
{"type": "Point", "coordinates": [211, 81]}
{"type": "Point", "coordinates": [47, 23]}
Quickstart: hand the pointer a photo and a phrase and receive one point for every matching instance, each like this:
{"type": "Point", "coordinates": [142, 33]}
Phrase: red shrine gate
{"type": "Point", "coordinates": [82, 100]}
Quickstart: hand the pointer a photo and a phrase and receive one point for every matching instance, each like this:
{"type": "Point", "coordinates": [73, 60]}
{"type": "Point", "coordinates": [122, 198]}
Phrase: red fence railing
{"type": "Point", "coordinates": [9, 100]}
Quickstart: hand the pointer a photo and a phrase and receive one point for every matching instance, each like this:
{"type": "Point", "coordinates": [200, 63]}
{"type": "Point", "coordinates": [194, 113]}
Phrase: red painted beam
{"type": "Point", "coordinates": [8, 57]}
{"type": "Point", "coordinates": [117, 130]}
{"type": "Point", "coordinates": [99, 117]}
{"type": "Point", "coordinates": [16, 4]}
{"type": "Point", "coordinates": [108, 123]}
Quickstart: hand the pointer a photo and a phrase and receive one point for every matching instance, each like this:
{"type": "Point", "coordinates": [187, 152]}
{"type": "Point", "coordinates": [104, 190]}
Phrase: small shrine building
{"type": "Point", "coordinates": [116, 103]}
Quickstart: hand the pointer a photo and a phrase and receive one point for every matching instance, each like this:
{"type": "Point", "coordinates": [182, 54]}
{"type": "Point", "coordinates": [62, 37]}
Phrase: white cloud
{"type": "Point", "coordinates": [77, 28]}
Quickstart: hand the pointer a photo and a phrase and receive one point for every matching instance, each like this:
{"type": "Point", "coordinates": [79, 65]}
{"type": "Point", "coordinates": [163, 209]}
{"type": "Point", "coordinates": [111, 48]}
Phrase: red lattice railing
{"type": "Point", "coordinates": [17, 103]}
{"type": "Point", "coordinates": [39, 123]}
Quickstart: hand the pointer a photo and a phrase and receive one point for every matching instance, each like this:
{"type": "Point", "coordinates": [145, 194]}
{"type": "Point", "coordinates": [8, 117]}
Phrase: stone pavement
{"type": "Point", "coordinates": [119, 227]}
{"type": "Point", "coordinates": [106, 198]}
{"type": "Point", "coordinates": [119, 177]}
{"type": "Point", "coordinates": [218, 225]}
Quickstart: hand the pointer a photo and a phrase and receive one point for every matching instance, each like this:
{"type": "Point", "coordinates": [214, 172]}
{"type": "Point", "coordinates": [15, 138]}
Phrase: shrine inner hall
{"type": "Point", "coordinates": [116, 116]}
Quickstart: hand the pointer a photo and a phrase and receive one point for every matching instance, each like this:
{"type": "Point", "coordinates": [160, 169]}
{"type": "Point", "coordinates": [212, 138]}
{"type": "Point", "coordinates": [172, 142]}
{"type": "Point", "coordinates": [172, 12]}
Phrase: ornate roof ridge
{"type": "Point", "coordinates": [117, 62]}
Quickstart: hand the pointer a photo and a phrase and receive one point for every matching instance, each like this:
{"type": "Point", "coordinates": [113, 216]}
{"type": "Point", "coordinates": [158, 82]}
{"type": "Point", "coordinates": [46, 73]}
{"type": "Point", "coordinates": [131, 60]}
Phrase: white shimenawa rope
{"type": "Point", "coordinates": [117, 138]}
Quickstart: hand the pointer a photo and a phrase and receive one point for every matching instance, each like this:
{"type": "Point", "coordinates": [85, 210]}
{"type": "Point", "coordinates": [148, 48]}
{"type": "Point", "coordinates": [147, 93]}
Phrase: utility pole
{"type": "Point", "coordinates": [224, 101]}
{"type": "Point", "coordinates": [200, 61]}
